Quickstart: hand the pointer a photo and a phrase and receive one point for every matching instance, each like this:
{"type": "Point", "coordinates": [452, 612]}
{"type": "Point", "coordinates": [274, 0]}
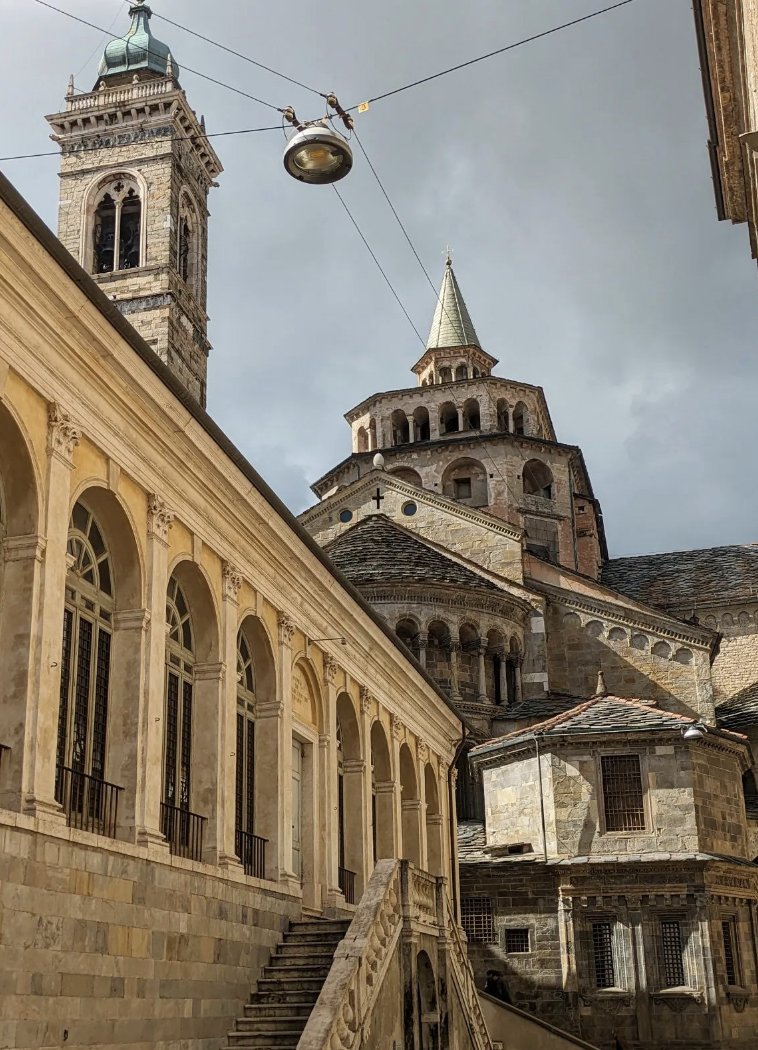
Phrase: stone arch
{"type": "Point", "coordinates": [188, 241]}
{"type": "Point", "coordinates": [407, 630]}
{"type": "Point", "coordinates": [469, 641]}
{"type": "Point", "coordinates": [445, 374]}
{"type": "Point", "coordinates": [572, 621]}
{"type": "Point", "coordinates": [434, 836]}
{"type": "Point", "coordinates": [350, 794]}
{"type": "Point", "coordinates": [640, 642]}
{"type": "Point", "coordinates": [472, 419]}
{"type": "Point", "coordinates": [400, 427]}
{"type": "Point", "coordinates": [362, 440]}
{"type": "Point", "coordinates": [438, 648]}
{"type": "Point", "coordinates": [496, 666]}
{"type": "Point", "coordinates": [449, 423]}
{"type": "Point", "coordinates": [382, 795]}
{"type": "Point", "coordinates": [662, 650]}
{"type": "Point", "coordinates": [410, 807]}
{"type": "Point", "coordinates": [594, 628]}
{"type": "Point", "coordinates": [127, 189]}
{"type": "Point", "coordinates": [465, 480]}
{"type": "Point", "coordinates": [407, 474]}
{"type": "Point", "coordinates": [307, 701]}
{"type": "Point", "coordinates": [427, 1003]}
{"type": "Point", "coordinates": [617, 634]}
{"type": "Point", "coordinates": [520, 418]}
{"type": "Point", "coordinates": [683, 656]}
{"type": "Point", "coordinates": [461, 372]}
{"type": "Point", "coordinates": [421, 431]}
{"type": "Point", "coordinates": [103, 622]}
{"type": "Point", "coordinates": [537, 479]}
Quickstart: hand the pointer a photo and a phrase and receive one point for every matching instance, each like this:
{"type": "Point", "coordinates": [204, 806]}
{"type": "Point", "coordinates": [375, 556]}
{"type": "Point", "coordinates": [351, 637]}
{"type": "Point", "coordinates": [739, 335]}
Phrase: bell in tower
{"type": "Point", "coordinates": [136, 170]}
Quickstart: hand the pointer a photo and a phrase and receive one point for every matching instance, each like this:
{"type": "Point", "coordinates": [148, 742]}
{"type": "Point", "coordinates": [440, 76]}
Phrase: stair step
{"type": "Point", "coordinates": [315, 937]}
{"type": "Point", "coordinates": [301, 969]}
{"type": "Point", "coordinates": [277, 986]}
{"type": "Point", "coordinates": [320, 926]}
{"type": "Point", "coordinates": [267, 1039]}
{"type": "Point", "coordinates": [257, 1011]}
{"type": "Point", "coordinates": [287, 1018]}
{"type": "Point", "coordinates": [293, 949]}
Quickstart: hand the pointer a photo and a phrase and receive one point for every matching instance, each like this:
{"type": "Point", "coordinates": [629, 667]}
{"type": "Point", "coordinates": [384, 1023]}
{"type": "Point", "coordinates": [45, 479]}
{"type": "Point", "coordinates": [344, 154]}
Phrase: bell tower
{"type": "Point", "coordinates": [136, 170]}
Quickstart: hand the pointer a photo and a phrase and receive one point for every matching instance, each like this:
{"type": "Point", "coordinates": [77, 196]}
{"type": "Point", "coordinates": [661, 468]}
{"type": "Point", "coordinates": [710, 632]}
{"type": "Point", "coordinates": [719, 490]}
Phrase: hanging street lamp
{"type": "Point", "coordinates": [318, 154]}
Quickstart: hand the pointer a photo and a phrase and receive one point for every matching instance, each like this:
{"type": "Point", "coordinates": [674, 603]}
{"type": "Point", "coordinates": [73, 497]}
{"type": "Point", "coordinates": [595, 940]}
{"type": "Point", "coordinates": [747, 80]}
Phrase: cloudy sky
{"type": "Point", "coordinates": [570, 176]}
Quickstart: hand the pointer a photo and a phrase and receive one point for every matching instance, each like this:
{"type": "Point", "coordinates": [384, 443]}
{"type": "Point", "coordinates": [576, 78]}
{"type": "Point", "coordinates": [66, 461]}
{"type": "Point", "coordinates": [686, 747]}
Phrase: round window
{"type": "Point", "coordinates": [346, 515]}
{"type": "Point", "coordinates": [409, 509]}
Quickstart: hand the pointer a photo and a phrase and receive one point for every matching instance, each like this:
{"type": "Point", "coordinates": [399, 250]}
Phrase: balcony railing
{"type": "Point", "coordinates": [347, 885]}
{"type": "Point", "coordinates": [183, 830]}
{"type": "Point", "coordinates": [251, 850]}
{"type": "Point", "coordinates": [90, 804]}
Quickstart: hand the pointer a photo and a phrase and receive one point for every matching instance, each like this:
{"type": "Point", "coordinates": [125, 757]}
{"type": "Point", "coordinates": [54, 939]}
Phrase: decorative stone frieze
{"type": "Point", "coordinates": [159, 518]}
{"type": "Point", "coordinates": [232, 582]}
{"type": "Point", "coordinates": [398, 728]}
{"type": "Point", "coordinates": [367, 699]}
{"type": "Point", "coordinates": [330, 669]}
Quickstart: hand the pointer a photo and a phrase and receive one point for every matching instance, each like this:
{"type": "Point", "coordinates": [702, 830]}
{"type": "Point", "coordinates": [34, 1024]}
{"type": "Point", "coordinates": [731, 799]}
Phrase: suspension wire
{"type": "Point", "coordinates": [379, 265]}
{"type": "Point", "coordinates": [499, 51]}
{"type": "Point", "coordinates": [186, 69]}
{"type": "Point", "coordinates": [237, 54]}
{"type": "Point", "coordinates": [170, 138]}
{"type": "Point", "coordinates": [102, 44]}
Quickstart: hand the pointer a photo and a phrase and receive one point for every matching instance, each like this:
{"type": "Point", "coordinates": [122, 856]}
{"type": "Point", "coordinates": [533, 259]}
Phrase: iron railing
{"type": "Point", "coordinates": [251, 850]}
{"type": "Point", "coordinates": [183, 831]}
{"type": "Point", "coordinates": [347, 885]}
{"type": "Point", "coordinates": [90, 804]}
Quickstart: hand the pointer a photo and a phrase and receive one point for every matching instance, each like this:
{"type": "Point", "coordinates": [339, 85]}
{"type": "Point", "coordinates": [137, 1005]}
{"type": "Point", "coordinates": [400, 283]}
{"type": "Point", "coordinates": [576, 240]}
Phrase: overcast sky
{"type": "Point", "coordinates": [570, 176]}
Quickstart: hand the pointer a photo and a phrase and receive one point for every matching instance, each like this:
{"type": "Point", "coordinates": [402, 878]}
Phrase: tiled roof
{"type": "Point", "coordinates": [740, 712]}
{"type": "Point", "coordinates": [378, 551]}
{"type": "Point", "coordinates": [471, 839]}
{"type": "Point", "coordinates": [540, 708]}
{"type": "Point", "coordinates": [686, 578]}
{"type": "Point", "coordinates": [452, 324]}
{"type": "Point", "coordinates": [602, 715]}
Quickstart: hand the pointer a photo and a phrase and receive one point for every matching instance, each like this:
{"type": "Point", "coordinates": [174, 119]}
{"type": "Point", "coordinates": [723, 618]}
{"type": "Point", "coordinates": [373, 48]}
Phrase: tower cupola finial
{"type": "Point", "coordinates": [138, 52]}
{"type": "Point", "coordinates": [452, 325]}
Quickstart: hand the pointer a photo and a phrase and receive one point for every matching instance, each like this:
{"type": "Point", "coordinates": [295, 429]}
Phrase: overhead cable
{"type": "Point", "coordinates": [499, 51]}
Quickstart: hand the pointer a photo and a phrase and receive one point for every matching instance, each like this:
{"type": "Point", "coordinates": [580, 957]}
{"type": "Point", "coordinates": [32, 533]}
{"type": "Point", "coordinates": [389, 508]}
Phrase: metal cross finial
{"type": "Point", "coordinates": [448, 256]}
{"type": "Point", "coordinates": [378, 498]}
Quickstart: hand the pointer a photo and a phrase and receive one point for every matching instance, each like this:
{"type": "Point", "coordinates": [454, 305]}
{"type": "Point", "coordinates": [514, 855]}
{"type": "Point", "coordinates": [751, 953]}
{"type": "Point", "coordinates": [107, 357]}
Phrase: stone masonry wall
{"type": "Point", "coordinates": [720, 804]}
{"type": "Point", "coordinates": [101, 946]}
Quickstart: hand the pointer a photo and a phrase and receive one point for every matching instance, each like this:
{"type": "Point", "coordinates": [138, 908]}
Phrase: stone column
{"type": "Point", "coordinates": [503, 679]}
{"type": "Point", "coordinates": [641, 988]}
{"type": "Point", "coordinates": [455, 692]}
{"type": "Point", "coordinates": [422, 753]}
{"type": "Point", "coordinates": [482, 697]}
{"type": "Point", "coordinates": [227, 749]}
{"type": "Point", "coordinates": [422, 643]}
{"type": "Point", "coordinates": [40, 730]}
{"type": "Point", "coordinates": [269, 783]}
{"type": "Point", "coordinates": [568, 956]}
{"type": "Point", "coordinates": [518, 662]}
{"type": "Point", "coordinates": [127, 685]}
{"type": "Point", "coordinates": [367, 708]}
{"type": "Point", "coordinates": [152, 708]}
{"type": "Point", "coordinates": [23, 558]}
{"type": "Point", "coordinates": [398, 732]}
{"type": "Point", "coordinates": [460, 419]}
{"type": "Point", "coordinates": [411, 427]}
{"type": "Point", "coordinates": [702, 901]}
{"type": "Point", "coordinates": [284, 801]}
{"type": "Point", "coordinates": [329, 780]}
{"type": "Point", "coordinates": [208, 761]}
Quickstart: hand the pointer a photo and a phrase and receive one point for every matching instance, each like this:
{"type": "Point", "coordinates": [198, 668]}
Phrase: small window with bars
{"type": "Point", "coordinates": [623, 797]}
{"type": "Point", "coordinates": [477, 919]}
{"type": "Point", "coordinates": [517, 940]}
{"type": "Point", "coordinates": [672, 953]}
{"type": "Point", "coordinates": [602, 954]}
{"type": "Point", "coordinates": [731, 951]}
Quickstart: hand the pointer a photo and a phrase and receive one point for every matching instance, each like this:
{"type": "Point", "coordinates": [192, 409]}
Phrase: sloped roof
{"type": "Point", "coordinates": [376, 550]}
{"type": "Point", "coordinates": [541, 708]}
{"type": "Point", "coordinates": [739, 712]}
{"type": "Point", "coordinates": [686, 578]}
{"type": "Point", "coordinates": [602, 715]}
{"type": "Point", "coordinates": [452, 324]}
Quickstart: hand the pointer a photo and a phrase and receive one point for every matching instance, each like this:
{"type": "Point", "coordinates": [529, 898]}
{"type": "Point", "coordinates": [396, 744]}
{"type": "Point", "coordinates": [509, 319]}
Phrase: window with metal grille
{"type": "Point", "coordinates": [673, 953]}
{"type": "Point", "coordinates": [477, 920]}
{"type": "Point", "coordinates": [602, 954]}
{"type": "Point", "coordinates": [731, 959]}
{"type": "Point", "coordinates": [623, 798]}
{"type": "Point", "coordinates": [517, 940]}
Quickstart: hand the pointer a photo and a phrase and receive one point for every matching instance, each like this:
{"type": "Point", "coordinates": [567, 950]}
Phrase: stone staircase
{"type": "Point", "coordinates": [289, 986]}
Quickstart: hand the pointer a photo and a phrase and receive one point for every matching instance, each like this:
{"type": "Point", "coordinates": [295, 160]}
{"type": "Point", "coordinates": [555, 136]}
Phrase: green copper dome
{"type": "Point", "coordinates": [138, 50]}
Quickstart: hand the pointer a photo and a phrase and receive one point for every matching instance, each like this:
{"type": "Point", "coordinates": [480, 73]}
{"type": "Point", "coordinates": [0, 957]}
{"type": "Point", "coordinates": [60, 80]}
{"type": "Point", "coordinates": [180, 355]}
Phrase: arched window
{"type": "Point", "coordinates": [185, 248]}
{"type": "Point", "coordinates": [401, 431]}
{"type": "Point", "coordinates": [520, 418]}
{"type": "Point", "coordinates": [362, 439]}
{"type": "Point", "coordinates": [466, 481]}
{"type": "Point", "coordinates": [448, 418]}
{"type": "Point", "coordinates": [421, 424]}
{"type": "Point", "coordinates": [177, 738]}
{"type": "Point", "coordinates": [461, 372]}
{"type": "Point", "coordinates": [407, 474]}
{"type": "Point", "coordinates": [85, 677]}
{"type": "Point", "coordinates": [187, 245]}
{"type": "Point", "coordinates": [349, 801]}
{"type": "Point", "coordinates": [249, 850]}
{"type": "Point", "coordinates": [537, 479]}
{"type": "Point", "coordinates": [117, 227]}
{"type": "Point", "coordinates": [471, 418]}
{"type": "Point", "coordinates": [408, 633]}
{"type": "Point", "coordinates": [446, 375]}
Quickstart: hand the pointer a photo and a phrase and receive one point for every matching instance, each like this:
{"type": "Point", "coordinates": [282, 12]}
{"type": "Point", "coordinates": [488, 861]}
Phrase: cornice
{"type": "Point", "coordinates": [450, 598]}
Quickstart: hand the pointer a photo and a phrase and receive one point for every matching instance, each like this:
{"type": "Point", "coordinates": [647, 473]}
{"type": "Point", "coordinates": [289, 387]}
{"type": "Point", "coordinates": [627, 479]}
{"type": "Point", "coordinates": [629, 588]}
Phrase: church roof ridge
{"type": "Point", "coordinates": [451, 325]}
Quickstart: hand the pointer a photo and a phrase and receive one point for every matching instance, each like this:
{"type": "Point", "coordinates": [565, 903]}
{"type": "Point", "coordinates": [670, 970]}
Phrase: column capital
{"type": "Point", "coordinates": [210, 672]}
{"type": "Point", "coordinates": [63, 434]}
{"type": "Point", "coordinates": [367, 699]}
{"type": "Point", "coordinates": [24, 548]}
{"type": "Point", "coordinates": [232, 582]}
{"type": "Point", "coordinates": [286, 628]}
{"type": "Point", "coordinates": [131, 620]}
{"type": "Point", "coordinates": [269, 709]}
{"type": "Point", "coordinates": [422, 750]}
{"type": "Point", "coordinates": [397, 726]}
{"type": "Point", "coordinates": [159, 518]}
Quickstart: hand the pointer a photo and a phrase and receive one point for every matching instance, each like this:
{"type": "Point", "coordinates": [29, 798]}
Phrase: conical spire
{"type": "Point", "coordinates": [452, 325]}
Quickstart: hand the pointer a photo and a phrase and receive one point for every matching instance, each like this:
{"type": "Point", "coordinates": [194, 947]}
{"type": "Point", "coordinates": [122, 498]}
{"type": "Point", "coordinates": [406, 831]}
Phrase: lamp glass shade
{"type": "Point", "coordinates": [693, 732]}
{"type": "Point", "coordinates": [318, 155]}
